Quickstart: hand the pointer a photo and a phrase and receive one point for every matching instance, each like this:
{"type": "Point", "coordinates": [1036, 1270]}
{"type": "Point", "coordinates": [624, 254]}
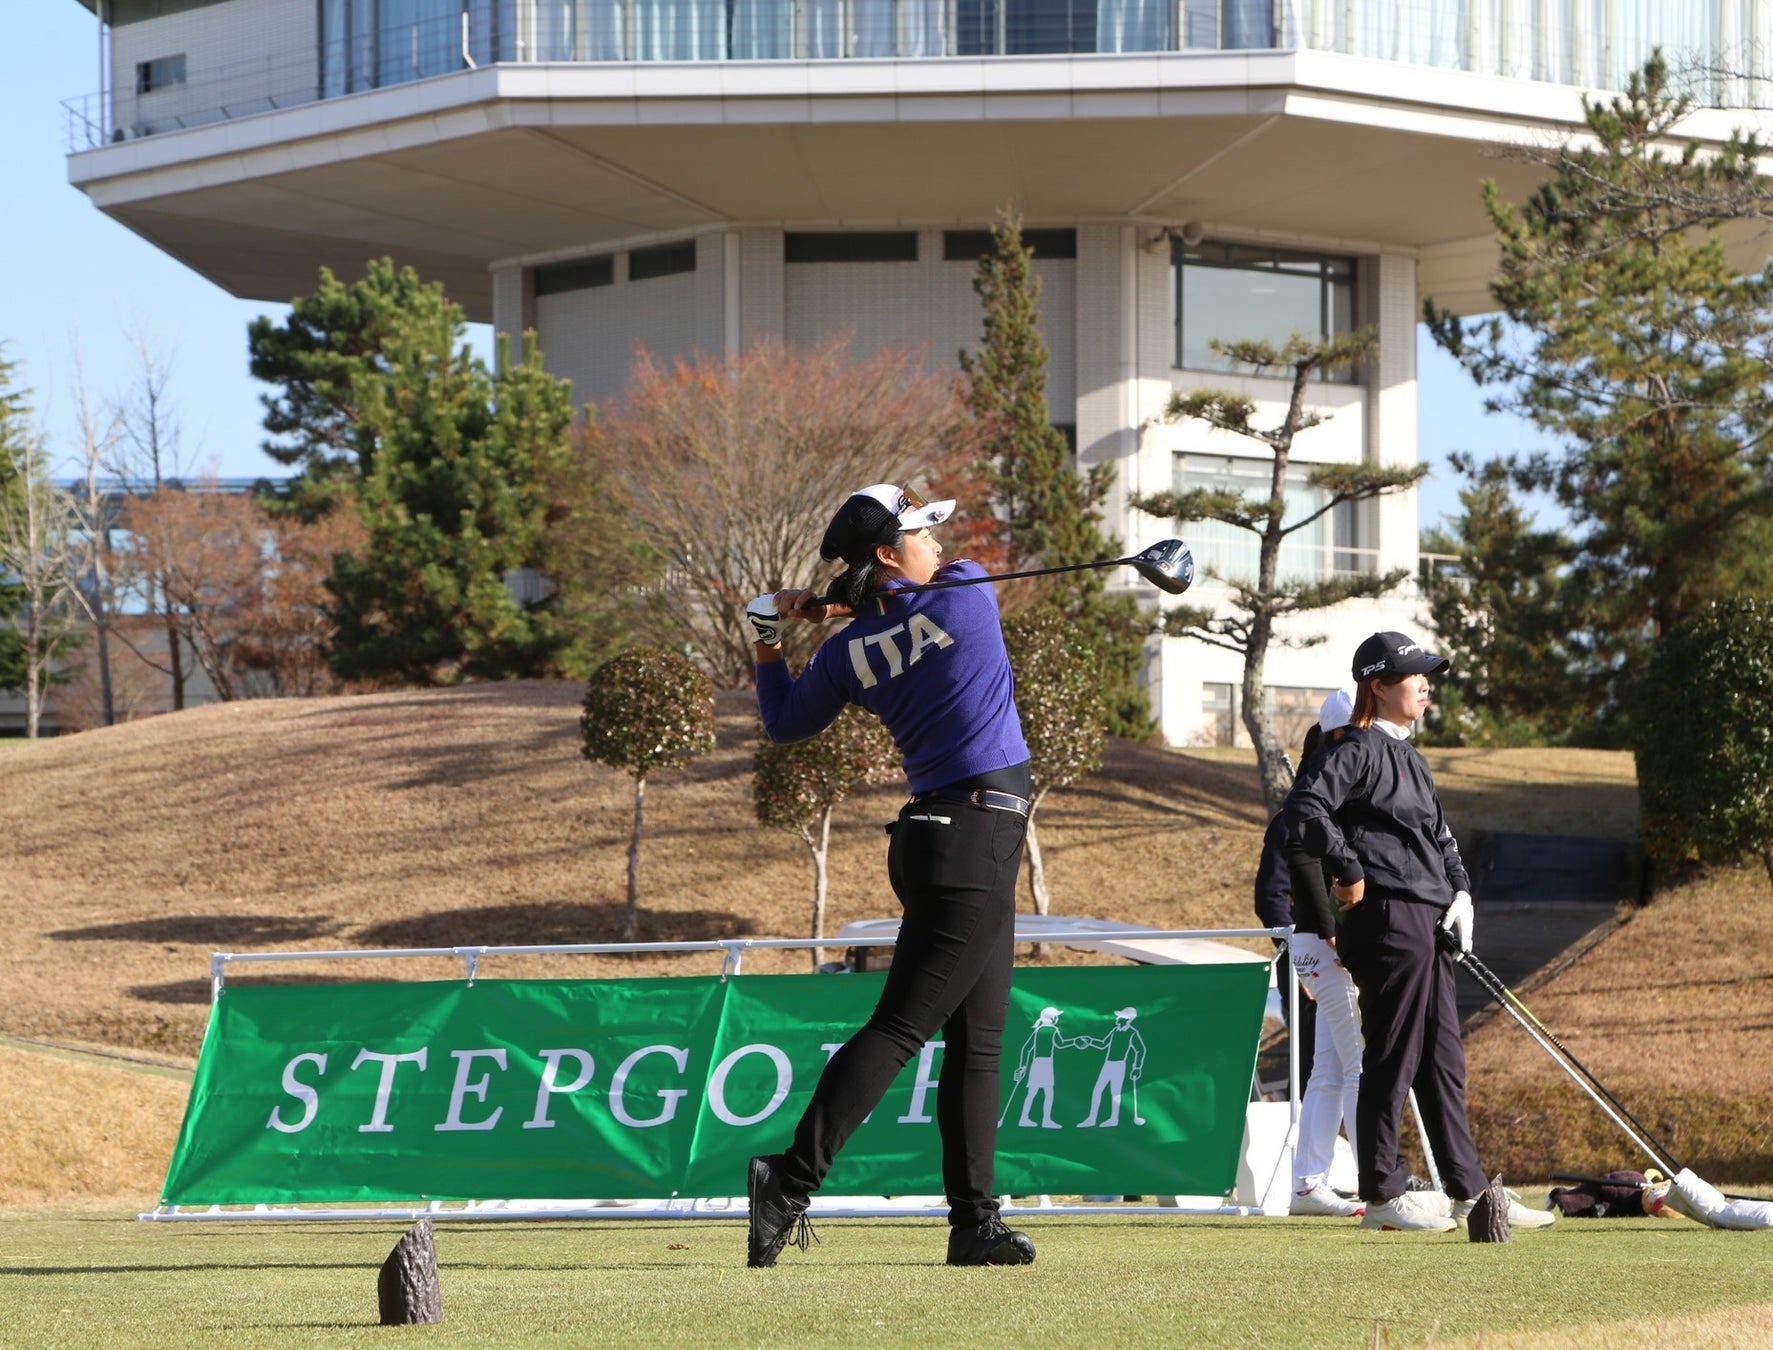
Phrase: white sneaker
{"type": "Point", "coordinates": [1519, 1216]}
{"type": "Point", "coordinates": [1319, 1199]}
{"type": "Point", "coordinates": [1411, 1212]}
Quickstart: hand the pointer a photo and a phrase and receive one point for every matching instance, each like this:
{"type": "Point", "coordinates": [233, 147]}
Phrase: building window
{"type": "Point", "coordinates": [161, 73]}
{"type": "Point", "coordinates": [972, 245]}
{"type": "Point", "coordinates": [1230, 293]}
{"type": "Point", "coordinates": [580, 275]}
{"type": "Point", "coordinates": [1292, 711]}
{"type": "Point", "coordinates": [1332, 545]}
{"type": "Point", "coordinates": [850, 246]}
{"type": "Point", "coordinates": [663, 260]}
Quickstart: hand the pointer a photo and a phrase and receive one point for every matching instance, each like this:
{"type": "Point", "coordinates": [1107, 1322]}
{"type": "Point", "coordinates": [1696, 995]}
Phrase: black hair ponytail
{"type": "Point", "coordinates": [854, 585]}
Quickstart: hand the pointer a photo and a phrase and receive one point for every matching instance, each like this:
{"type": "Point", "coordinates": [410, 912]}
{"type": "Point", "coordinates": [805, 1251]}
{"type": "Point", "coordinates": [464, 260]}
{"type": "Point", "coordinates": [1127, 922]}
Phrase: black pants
{"type": "Point", "coordinates": [953, 867]}
{"type": "Point", "coordinates": [1410, 1021]}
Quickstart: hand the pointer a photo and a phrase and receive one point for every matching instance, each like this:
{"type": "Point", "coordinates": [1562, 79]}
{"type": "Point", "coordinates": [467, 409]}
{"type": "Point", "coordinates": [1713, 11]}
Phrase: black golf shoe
{"type": "Point", "coordinates": [776, 1219]}
{"type": "Point", "coordinates": [992, 1243]}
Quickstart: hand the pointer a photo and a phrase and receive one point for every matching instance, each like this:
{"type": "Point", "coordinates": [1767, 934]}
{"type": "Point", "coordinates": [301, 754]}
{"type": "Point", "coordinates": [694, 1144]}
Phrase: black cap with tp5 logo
{"type": "Point", "coordinates": [1395, 654]}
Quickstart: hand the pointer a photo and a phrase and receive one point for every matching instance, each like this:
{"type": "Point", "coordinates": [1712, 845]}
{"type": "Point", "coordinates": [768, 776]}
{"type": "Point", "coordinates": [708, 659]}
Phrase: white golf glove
{"type": "Point", "coordinates": [765, 620]}
{"type": "Point", "coordinates": [1458, 920]}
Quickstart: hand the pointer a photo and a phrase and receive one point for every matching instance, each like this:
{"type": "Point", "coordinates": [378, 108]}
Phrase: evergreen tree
{"type": "Point", "coordinates": [1051, 514]}
{"type": "Point", "coordinates": [1502, 615]}
{"type": "Point", "coordinates": [447, 465]}
{"type": "Point", "coordinates": [332, 352]}
{"type": "Point", "coordinates": [645, 710]}
{"type": "Point", "coordinates": [1623, 329]}
{"type": "Point", "coordinates": [796, 787]}
{"type": "Point", "coordinates": [1258, 602]}
{"type": "Point", "coordinates": [1705, 755]}
{"type": "Point", "coordinates": [1063, 717]}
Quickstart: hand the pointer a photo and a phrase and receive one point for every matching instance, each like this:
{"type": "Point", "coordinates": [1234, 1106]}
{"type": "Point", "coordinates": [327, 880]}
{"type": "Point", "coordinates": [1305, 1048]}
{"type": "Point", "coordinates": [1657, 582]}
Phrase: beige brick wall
{"type": "Point", "coordinates": [241, 57]}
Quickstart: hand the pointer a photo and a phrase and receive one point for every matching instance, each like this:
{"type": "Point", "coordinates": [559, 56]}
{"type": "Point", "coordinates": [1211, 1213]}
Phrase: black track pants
{"type": "Point", "coordinates": [953, 867]}
{"type": "Point", "coordinates": [1410, 1021]}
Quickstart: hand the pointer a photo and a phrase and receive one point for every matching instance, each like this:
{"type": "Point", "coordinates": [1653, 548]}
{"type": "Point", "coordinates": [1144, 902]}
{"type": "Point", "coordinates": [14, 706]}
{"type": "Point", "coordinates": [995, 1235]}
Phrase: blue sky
{"type": "Point", "coordinates": [75, 277]}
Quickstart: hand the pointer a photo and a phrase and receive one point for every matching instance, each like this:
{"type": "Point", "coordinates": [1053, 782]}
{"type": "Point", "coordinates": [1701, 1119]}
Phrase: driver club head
{"type": "Point", "coordinates": [1167, 565]}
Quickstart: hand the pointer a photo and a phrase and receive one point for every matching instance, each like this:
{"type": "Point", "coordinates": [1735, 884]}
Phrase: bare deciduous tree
{"type": "Point", "coordinates": [733, 471]}
{"type": "Point", "coordinates": [246, 592]}
{"type": "Point", "coordinates": [39, 553]}
{"type": "Point", "coordinates": [150, 452]}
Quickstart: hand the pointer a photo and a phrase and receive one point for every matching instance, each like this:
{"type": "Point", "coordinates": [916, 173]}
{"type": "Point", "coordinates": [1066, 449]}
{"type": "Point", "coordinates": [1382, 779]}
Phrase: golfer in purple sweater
{"type": "Point", "coordinates": [931, 665]}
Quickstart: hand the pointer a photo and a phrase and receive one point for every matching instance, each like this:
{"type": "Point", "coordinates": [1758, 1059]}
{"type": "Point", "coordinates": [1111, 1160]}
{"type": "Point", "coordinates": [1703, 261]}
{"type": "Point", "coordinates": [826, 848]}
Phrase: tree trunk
{"type": "Point", "coordinates": [1767, 862]}
{"type": "Point", "coordinates": [631, 920]}
{"type": "Point", "coordinates": [821, 848]}
{"type": "Point", "coordinates": [36, 668]}
{"type": "Point", "coordinates": [175, 659]}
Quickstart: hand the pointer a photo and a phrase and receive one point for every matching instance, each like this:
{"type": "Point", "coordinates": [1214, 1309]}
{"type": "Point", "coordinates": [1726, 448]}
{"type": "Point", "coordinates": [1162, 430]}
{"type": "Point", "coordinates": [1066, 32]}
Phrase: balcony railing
{"type": "Point", "coordinates": [1591, 43]}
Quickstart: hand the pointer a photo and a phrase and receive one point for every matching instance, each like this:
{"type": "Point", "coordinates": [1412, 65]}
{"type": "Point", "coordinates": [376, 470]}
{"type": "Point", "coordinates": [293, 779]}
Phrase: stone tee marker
{"type": "Point", "coordinates": [407, 1287]}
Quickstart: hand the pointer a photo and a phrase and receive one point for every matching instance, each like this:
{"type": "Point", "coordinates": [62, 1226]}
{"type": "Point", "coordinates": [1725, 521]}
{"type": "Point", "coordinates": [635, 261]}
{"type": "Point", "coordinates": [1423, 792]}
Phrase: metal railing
{"type": "Point", "coordinates": [1590, 43]}
{"type": "Point", "coordinates": [1220, 562]}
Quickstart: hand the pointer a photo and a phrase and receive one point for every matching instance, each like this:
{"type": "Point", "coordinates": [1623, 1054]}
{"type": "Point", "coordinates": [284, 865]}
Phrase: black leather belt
{"type": "Point", "coordinates": [986, 797]}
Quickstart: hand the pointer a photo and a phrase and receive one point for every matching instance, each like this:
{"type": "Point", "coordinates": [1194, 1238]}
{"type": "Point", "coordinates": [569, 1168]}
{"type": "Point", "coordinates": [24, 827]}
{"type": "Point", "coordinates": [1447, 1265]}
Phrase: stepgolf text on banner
{"type": "Point", "coordinates": [1128, 1080]}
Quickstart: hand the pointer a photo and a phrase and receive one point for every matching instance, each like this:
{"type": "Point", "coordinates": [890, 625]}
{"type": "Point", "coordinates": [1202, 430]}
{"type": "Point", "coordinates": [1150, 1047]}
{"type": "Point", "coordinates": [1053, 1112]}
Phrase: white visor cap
{"type": "Point", "coordinates": [914, 512]}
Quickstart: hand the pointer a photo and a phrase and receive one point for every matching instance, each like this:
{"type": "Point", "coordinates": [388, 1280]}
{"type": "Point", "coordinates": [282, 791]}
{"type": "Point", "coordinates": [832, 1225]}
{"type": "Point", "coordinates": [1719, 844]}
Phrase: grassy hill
{"type": "Point", "coordinates": [467, 816]}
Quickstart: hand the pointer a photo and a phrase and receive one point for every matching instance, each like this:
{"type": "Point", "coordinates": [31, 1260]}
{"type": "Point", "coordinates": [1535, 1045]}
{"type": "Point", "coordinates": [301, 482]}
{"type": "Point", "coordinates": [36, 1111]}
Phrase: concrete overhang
{"type": "Point", "coordinates": [528, 163]}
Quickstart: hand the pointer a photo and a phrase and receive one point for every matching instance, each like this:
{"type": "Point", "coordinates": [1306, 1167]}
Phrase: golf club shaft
{"type": "Point", "coordinates": [1434, 1171]}
{"type": "Point", "coordinates": [1497, 990]}
{"type": "Point", "coordinates": [1509, 1003]}
{"type": "Point", "coordinates": [1014, 576]}
{"type": "Point", "coordinates": [1668, 1168]}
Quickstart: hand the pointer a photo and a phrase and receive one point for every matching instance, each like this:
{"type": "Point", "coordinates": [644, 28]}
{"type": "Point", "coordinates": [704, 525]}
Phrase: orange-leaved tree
{"type": "Point", "coordinates": [732, 470]}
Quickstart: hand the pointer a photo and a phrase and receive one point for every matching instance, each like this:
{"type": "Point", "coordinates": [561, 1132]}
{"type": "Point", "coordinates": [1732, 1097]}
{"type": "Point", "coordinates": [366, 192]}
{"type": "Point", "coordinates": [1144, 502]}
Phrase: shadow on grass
{"type": "Point", "coordinates": [207, 930]}
{"type": "Point", "coordinates": [198, 991]}
{"type": "Point", "coordinates": [547, 924]}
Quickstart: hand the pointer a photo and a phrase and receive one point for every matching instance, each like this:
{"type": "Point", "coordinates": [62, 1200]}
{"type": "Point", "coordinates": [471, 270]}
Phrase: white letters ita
{"type": "Point", "coordinates": [918, 630]}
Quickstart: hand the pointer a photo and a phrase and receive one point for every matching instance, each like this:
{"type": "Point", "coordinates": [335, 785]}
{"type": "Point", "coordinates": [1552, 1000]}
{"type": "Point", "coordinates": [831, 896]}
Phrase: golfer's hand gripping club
{"type": "Point", "coordinates": [765, 621]}
{"type": "Point", "coordinates": [1457, 923]}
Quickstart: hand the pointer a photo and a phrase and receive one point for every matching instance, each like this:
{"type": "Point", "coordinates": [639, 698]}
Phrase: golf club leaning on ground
{"type": "Point", "coordinates": [1510, 1003]}
{"type": "Point", "coordinates": [1167, 564]}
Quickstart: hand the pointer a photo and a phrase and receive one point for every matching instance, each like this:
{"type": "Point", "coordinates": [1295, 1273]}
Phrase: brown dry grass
{"type": "Point", "coordinates": [1745, 1327]}
{"type": "Point", "coordinates": [467, 816]}
{"type": "Point", "coordinates": [82, 1134]}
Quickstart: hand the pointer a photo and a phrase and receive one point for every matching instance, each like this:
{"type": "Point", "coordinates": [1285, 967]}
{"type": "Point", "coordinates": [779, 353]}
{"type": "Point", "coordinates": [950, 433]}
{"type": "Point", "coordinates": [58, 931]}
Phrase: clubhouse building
{"type": "Point", "coordinates": [692, 175]}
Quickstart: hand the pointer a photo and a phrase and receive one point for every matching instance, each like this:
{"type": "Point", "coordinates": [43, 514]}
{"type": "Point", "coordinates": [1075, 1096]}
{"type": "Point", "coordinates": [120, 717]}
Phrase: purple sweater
{"type": "Point", "coordinates": [931, 666]}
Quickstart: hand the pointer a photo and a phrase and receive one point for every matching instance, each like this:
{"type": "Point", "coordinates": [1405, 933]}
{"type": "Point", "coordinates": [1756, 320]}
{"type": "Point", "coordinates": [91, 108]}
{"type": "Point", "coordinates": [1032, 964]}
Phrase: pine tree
{"type": "Point", "coordinates": [1502, 615]}
{"type": "Point", "coordinates": [1259, 602]}
{"type": "Point", "coordinates": [1624, 330]}
{"type": "Point", "coordinates": [446, 463]}
{"type": "Point", "coordinates": [1050, 513]}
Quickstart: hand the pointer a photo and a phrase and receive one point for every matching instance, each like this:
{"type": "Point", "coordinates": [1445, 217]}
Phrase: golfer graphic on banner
{"type": "Point", "coordinates": [1123, 1062]}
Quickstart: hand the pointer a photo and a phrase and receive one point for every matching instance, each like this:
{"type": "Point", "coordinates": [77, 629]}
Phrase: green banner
{"type": "Point", "coordinates": [1123, 1080]}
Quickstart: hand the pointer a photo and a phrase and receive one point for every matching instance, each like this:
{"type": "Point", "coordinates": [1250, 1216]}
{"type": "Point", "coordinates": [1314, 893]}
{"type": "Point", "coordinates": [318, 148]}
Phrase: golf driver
{"type": "Point", "coordinates": [1167, 564]}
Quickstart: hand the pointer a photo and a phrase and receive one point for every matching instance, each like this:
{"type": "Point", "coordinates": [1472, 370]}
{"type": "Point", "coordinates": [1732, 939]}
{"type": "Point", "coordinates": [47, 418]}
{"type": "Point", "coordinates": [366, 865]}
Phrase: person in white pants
{"type": "Point", "coordinates": [1335, 1084]}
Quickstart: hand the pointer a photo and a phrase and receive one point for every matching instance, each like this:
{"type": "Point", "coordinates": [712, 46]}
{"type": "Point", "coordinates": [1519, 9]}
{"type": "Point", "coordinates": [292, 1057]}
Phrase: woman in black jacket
{"type": "Point", "coordinates": [1368, 808]}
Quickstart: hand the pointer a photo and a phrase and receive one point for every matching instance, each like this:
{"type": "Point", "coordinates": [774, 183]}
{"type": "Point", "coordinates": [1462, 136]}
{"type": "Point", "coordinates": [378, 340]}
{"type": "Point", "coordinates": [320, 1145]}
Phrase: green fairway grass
{"type": "Point", "coordinates": [78, 1280]}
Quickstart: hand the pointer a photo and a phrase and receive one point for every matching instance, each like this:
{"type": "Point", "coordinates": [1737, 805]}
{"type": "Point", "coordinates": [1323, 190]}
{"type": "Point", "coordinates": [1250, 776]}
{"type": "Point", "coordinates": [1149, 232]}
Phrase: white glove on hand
{"type": "Point", "coordinates": [765, 620]}
{"type": "Point", "coordinates": [1458, 919]}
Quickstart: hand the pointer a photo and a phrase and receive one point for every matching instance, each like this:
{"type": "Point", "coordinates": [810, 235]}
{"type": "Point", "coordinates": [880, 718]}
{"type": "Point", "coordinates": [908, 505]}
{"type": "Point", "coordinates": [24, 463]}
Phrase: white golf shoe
{"type": "Point", "coordinates": [1411, 1212]}
{"type": "Point", "coordinates": [1519, 1216]}
{"type": "Point", "coordinates": [1319, 1199]}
